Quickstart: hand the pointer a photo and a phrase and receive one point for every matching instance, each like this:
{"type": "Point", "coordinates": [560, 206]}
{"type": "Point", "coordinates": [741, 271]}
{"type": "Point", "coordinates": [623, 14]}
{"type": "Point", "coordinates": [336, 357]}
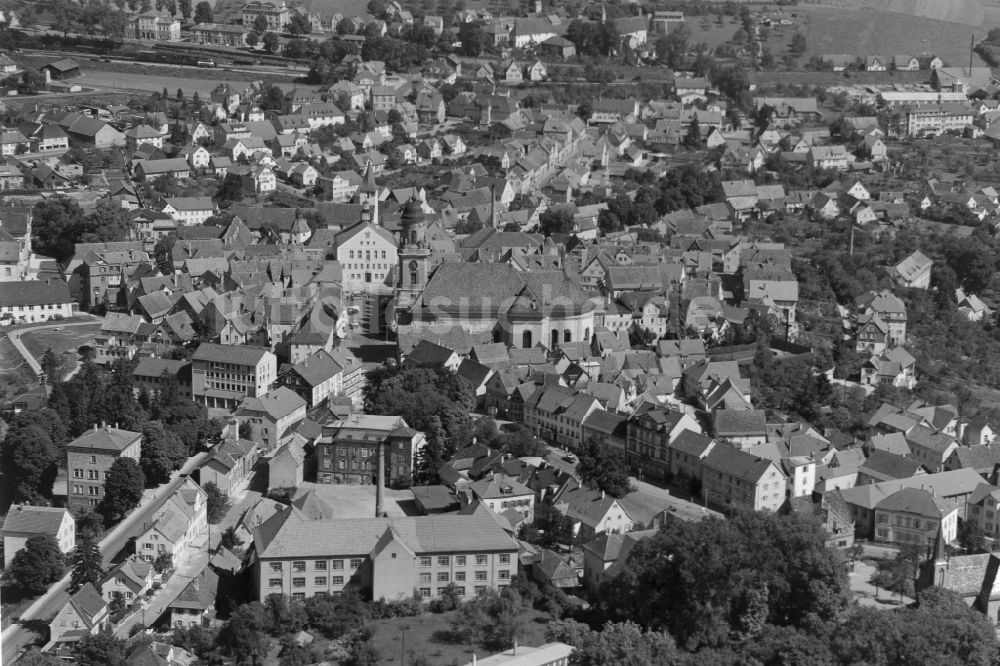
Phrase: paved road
{"type": "Point", "coordinates": [15, 339]}
{"type": "Point", "coordinates": [17, 636]}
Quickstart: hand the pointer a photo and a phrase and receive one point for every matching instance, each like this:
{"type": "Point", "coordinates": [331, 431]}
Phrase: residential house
{"type": "Point", "coordinates": [178, 528]}
{"type": "Point", "coordinates": [84, 614]}
{"type": "Point", "coordinates": [915, 517]}
{"type": "Point", "coordinates": [736, 480]}
{"type": "Point", "coordinates": [271, 415]}
{"type": "Point", "coordinates": [89, 458]}
{"type": "Point", "coordinates": [25, 521]}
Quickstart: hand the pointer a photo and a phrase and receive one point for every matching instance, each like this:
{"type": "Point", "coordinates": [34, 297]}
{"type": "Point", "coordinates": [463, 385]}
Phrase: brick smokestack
{"type": "Point", "coordinates": [380, 487]}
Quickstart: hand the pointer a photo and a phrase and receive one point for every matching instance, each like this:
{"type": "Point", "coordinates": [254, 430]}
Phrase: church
{"type": "Point", "coordinates": [491, 299]}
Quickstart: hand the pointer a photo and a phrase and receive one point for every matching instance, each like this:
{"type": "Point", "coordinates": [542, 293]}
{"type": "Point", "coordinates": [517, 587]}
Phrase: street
{"type": "Point", "coordinates": [18, 636]}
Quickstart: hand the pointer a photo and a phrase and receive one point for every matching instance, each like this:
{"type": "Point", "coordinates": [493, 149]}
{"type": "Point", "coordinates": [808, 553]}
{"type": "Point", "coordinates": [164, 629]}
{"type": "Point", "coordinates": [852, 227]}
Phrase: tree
{"type": "Point", "coordinates": [252, 39]}
{"type": "Point", "coordinates": [185, 7]}
{"type": "Point", "coordinates": [122, 490]}
{"type": "Point", "coordinates": [797, 45]}
{"type": "Point", "coordinates": [672, 48]}
{"type": "Point", "coordinates": [709, 582]}
{"type": "Point", "coordinates": [518, 441]}
{"type": "Point", "coordinates": [29, 458]}
{"type": "Point", "coordinates": [87, 564]}
{"type": "Point", "coordinates": [616, 643]}
{"type": "Point", "coordinates": [218, 502]}
{"type": "Point", "coordinates": [203, 12]}
{"type": "Point", "coordinates": [39, 564]}
{"type": "Point", "coordinates": [271, 42]}
{"type": "Point", "coordinates": [693, 137]}
{"type": "Point", "coordinates": [603, 468]}
{"type": "Point", "coordinates": [164, 562]}
{"type": "Point", "coordinates": [492, 619]}
{"type": "Point", "coordinates": [556, 221]}
{"type": "Point", "coordinates": [259, 24]}
{"type": "Point", "coordinates": [244, 636]}
{"type": "Point", "coordinates": [475, 41]}
{"type": "Point", "coordinates": [299, 25]}
{"type": "Point", "coordinates": [101, 649]}
{"type": "Point", "coordinates": [162, 452]}
{"type": "Point", "coordinates": [971, 538]}
{"type": "Point", "coordinates": [50, 367]}
{"type": "Point", "coordinates": [230, 540]}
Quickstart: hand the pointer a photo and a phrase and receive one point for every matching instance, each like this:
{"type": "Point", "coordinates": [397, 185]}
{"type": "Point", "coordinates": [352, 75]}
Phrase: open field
{"type": "Point", "coordinates": [425, 637]}
{"type": "Point", "coordinates": [64, 343]}
{"type": "Point", "coordinates": [866, 31]}
{"type": "Point", "coordinates": [156, 82]}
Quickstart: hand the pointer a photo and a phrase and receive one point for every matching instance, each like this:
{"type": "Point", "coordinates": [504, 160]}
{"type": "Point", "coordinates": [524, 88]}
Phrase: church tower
{"type": "Point", "coordinates": [367, 196]}
{"type": "Point", "coordinates": [413, 253]}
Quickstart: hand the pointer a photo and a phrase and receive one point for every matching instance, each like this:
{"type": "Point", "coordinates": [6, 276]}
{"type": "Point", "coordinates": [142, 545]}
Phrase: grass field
{"type": "Point", "coordinates": [867, 31]}
{"type": "Point", "coordinates": [426, 636]}
{"type": "Point", "coordinates": [64, 343]}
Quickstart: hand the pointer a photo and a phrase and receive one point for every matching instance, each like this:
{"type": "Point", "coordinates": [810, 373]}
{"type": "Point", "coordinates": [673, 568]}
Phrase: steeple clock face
{"type": "Point", "coordinates": [414, 265]}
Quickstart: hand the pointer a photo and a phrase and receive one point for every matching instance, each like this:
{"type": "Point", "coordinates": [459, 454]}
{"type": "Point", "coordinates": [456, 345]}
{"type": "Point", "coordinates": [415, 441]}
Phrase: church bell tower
{"type": "Point", "coordinates": [414, 255]}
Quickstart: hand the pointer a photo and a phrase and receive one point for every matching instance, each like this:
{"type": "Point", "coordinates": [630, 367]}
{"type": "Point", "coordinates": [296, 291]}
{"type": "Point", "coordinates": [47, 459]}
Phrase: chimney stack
{"type": "Point", "coordinates": [380, 488]}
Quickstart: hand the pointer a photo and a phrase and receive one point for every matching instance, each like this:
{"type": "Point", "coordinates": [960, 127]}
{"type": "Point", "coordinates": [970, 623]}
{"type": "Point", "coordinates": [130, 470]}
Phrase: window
{"type": "Point", "coordinates": [275, 566]}
{"type": "Point", "coordinates": [480, 589]}
{"type": "Point", "coordinates": [93, 474]}
{"type": "Point", "coordinates": [337, 580]}
{"type": "Point", "coordinates": [503, 574]}
{"type": "Point", "coordinates": [337, 564]}
{"type": "Point", "coordinates": [320, 580]}
{"type": "Point", "coordinates": [299, 596]}
{"type": "Point", "coordinates": [319, 565]}
{"type": "Point", "coordinates": [425, 561]}
{"type": "Point", "coordinates": [459, 576]}
{"type": "Point", "coordinates": [77, 473]}
{"type": "Point", "coordinates": [442, 576]}
{"type": "Point", "coordinates": [274, 582]}
{"type": "Point", "coordinates": [480, 560]}
{"type": "Point", "coordinates": [480, 576]}
{"type": "Point", "coordinates": [425, 577]}
{"type": "Point", "coordinates": [505, 558]}
{"type": "Point", "coordinates": [460, 560]}
{"type": "Point", "coordinates": [425, 592]}
{"type": "Point", "coordinates": [93, 460]}
{"type": "Point", "coordinates": [299, 582]}
{"type": "Point", "coordinates": [355, 563]}
{"type": "Point", "coordinates": [443, 560]}
{"type": "Point", "coordinates": [298, 566]}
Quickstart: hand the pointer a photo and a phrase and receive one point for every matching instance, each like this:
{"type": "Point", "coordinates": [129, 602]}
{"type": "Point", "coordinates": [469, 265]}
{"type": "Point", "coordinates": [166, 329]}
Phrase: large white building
{"type": "Point", "coordinates": [24, 521]}
{"type": "Point", "coordinates": [33, 301]}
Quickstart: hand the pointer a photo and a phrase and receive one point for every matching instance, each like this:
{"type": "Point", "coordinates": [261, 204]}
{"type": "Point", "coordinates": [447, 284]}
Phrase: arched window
{"type": "Point", "coordinates": [567, 336]}
{"type": "Point", "coordinates": [526, 340]}
{"type": "Point", "coordinates": [586, 335]}
{"type": "Point", "coordinates": [554, 339]}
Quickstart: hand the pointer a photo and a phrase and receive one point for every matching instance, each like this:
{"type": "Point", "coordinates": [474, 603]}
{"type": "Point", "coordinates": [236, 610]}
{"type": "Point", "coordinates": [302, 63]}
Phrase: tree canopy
{"type": "Point", "coordinates": [122, 489]}
{"type": "Point", "coordinates": [39, 564]}
{"type": "Point", "coordinates": [603, 467]}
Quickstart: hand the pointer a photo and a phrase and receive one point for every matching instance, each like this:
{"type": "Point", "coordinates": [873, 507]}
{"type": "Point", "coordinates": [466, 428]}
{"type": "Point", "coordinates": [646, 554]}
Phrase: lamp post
{"type": "Point", "coordinates": [402, 649]}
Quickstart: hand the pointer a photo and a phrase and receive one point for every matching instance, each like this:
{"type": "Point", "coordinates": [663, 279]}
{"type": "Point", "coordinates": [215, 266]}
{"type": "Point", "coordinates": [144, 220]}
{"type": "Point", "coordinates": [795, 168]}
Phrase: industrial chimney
{"type": "Point", "coordinates": [380, 480]}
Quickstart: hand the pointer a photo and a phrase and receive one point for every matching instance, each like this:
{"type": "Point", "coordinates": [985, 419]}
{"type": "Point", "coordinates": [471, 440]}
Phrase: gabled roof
{"type": "Point", "coordinates": [27, 519]}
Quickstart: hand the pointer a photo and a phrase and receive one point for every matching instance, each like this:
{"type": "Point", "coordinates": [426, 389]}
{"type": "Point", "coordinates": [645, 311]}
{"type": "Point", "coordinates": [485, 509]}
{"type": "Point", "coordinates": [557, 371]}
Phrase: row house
{"type": "Point", "coordinates": [556, 414]}
{"type": "Point", "coordinates": [651, 429]}
{"type": "Point", "coordinates": [179, 526]}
